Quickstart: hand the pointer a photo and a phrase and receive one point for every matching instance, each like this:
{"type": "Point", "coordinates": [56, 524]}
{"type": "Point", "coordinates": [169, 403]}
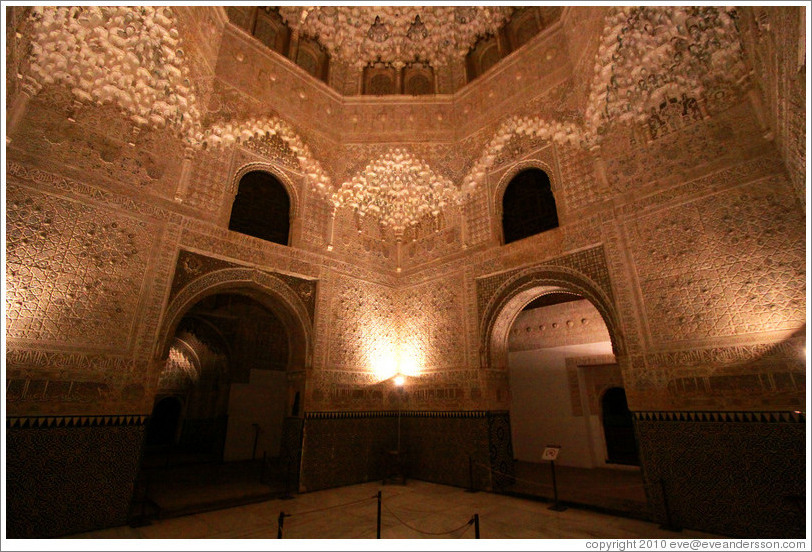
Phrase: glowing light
{"type": "Point", "coordinates": [391, 360]}
{"type": "Point", "coordinates": [385, 365]}
{"type": "Point", "coordinates": [399, 380]}
{"type": "Point", "coordinates": [407, 364]}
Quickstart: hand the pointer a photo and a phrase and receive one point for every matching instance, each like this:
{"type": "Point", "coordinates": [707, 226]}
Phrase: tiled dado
{"type": "Point", "coordinates": [740, 474]}
{"type": "Point", "coordinates": [29, 422]}
{"type": "Point", "coordinates": [766, 417]}
{"type": "Point", "coordinates": [343, 448]}
{"type": "Point", "coordinates": [65, 474]}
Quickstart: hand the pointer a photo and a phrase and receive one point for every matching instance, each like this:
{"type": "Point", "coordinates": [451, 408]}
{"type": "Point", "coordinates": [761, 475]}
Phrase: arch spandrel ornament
{"type": "Point", "coordinates": [515, 293]}
{"type": "Point", "coordinates": [268, 290]}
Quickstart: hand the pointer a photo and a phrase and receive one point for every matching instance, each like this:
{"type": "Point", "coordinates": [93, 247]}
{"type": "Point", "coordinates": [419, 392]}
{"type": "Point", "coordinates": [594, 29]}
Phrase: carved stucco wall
{"type": "Point", "coordinates": [775, 45]}
{"type": "Point", "coordinates": [695, 237]}
{"type": "Point", "coordinates": [713, 181]}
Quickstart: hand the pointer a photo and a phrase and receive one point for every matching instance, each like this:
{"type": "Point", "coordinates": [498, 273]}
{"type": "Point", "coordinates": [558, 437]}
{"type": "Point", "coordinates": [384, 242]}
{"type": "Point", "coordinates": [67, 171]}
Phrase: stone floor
{"type": "Point", "coordinates": [417, 510]}
{"type": "Point", "coordinates": [187, 489]}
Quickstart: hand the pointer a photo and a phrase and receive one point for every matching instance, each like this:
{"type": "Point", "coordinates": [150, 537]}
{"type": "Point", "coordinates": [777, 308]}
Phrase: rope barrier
{"type": "Point", "coordinates": [332, 507]}
{"type": "Point", "coordinates": [296, 517]}
{"type": "Point", "coordinates": [468, 526]}
{"type": "Point", "coordinates": [511, 475]}
{"type": "Point", "coordinates": [413, 528]}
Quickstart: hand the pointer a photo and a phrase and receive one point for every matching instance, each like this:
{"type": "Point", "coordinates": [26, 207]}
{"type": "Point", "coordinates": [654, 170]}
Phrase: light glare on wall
{"type": "Point", "coordinates": [407, 364]}
{"type": "Point", "coordinates": [392, 361]}
{"type": "Point", "coordinates": [385, 365]}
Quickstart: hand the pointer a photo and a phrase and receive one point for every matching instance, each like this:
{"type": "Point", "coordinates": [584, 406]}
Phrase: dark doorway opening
{"type": "Point", "coordinates": [163, 423]}
{"type": "Point", "coordinates": [618, 428]}
{"type": "Point", "coordinates": [216, 435]}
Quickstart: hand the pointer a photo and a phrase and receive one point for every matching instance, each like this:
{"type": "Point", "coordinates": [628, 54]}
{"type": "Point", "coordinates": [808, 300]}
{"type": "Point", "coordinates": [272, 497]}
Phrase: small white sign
{"type": "Point", "coordinates": [550, 452]}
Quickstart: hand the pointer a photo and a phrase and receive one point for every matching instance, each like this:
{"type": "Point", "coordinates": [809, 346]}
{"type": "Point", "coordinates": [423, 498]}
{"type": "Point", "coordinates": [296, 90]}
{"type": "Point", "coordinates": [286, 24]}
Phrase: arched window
{"type": "Point", "coordinates": [528, 206]}
{"type": "Point", "coordinates": [261, 208]}
{"type": "Point", "coordinates": [418, 78]}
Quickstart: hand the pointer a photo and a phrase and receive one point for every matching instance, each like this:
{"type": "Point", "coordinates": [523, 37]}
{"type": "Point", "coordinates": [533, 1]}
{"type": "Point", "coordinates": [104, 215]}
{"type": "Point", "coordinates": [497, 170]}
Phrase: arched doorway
{"type": "Point", "coordinates": [618, 428]}
{"type": "Point", "coordinates": [551, 386]}
{"type": "Point", "coordinates": [234, 347]}
{"type": "Point", "coordinates": [555, 333]}
{"type": "Point", "coordinates": [235, 401]}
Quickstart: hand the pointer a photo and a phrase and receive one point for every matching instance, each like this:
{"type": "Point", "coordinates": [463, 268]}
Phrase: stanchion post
{"type": "Point", "coordinates": [379, 515]}
{"type": "Point", "coordinates": [281, 522]}
{"type": "Point", "coordinates": [471, 488]}
{"type": "Point", "coordinates": [476, 526]}
{"type": "Point", "coordinates": [556, 506]}
{"type": "Point", "coordinates": [288, 464]}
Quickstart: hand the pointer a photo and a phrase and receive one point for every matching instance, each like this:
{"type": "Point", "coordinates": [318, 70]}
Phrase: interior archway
{"type": "Point", "coordinates": [556, 334]}
{"type": "Point", "coordinates": [230, 363]}
{"type": "Point", "coordinates": [563, 375]}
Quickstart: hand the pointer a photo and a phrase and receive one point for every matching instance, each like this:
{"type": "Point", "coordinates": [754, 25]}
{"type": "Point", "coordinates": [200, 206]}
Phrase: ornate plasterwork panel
{"type": "Point", "coordinates": [17, 43]}
{"type": "Point", "coordinates": [364, 334]}
{"type": "Point", "coordinates": [428, 242]}
{"type": "Point", "coordinates": [191, 265]}
{"type": "Point", "coordinates": [360, 35]}
{"type": "Point", "coordinates": [731, 263]}
{"type": "Point", "coordinates": [774, 43]}
{"type": "Point", "coordinates": [75, 271]}
{"type": "Point", "coordinates": [633, 161]}
{"type": "Point", "coordinates": [590, 262]}
{"type": "Point", "coordinates": [429, 328]}
{"type": "Point", "coordinates": [99, 143]}
{"type": "Point", "coordinates": [762, 376]}
{"type": "Point", "coordinates": [571, 323]}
